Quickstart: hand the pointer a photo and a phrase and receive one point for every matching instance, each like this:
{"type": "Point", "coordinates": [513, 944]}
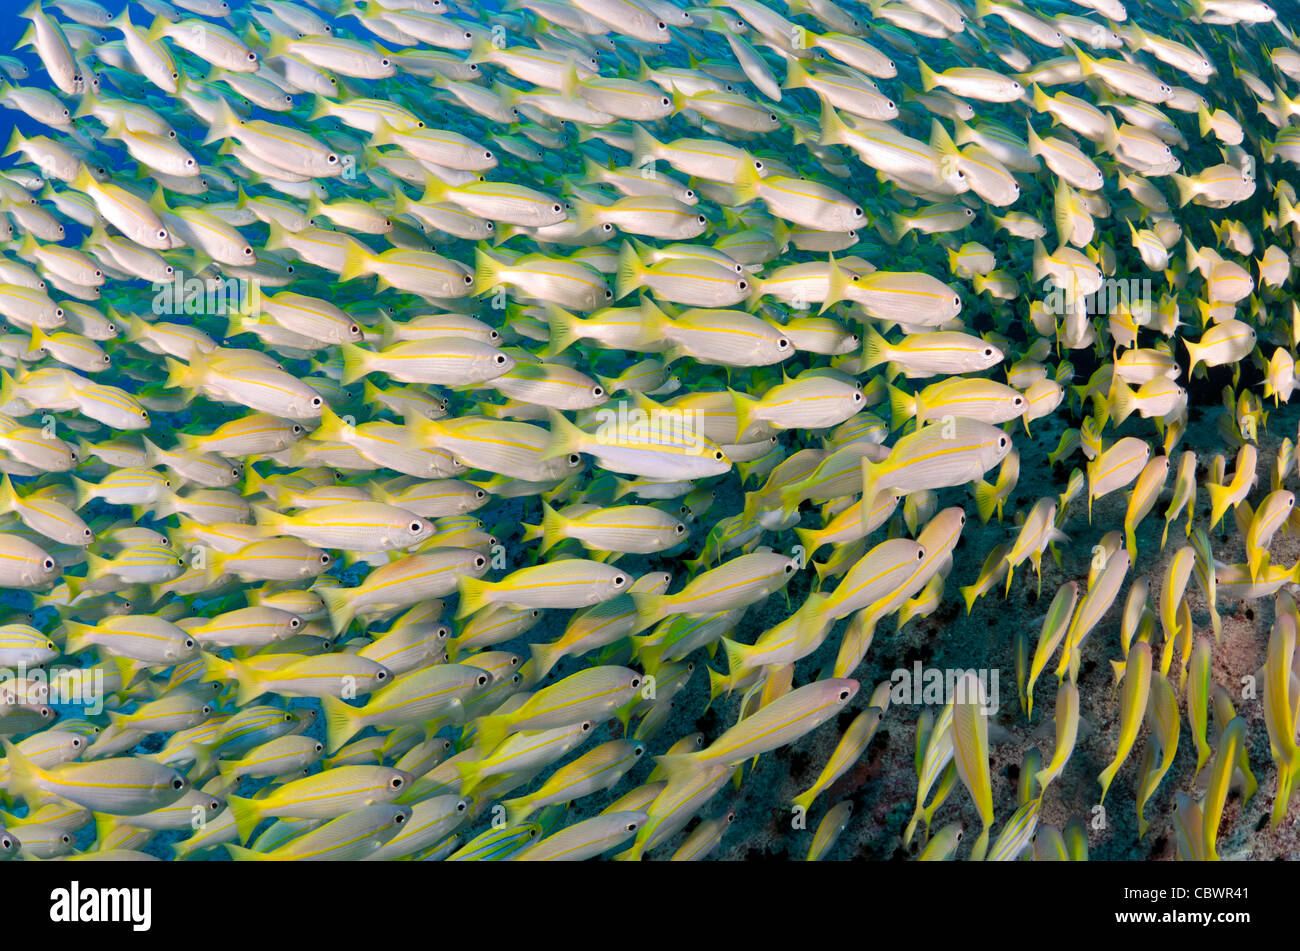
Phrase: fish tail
{"type": "Point", "coordinates": [810, 539]}
{"type": "Point", "coordinates": [339, 602]}
{"type": "Point", "coordinates": [869, 475]}
{"type": "Point", "coordinates": [630, 274]}
{"type": "Point", "coordinates": [473, 595]}
{"type": "Point", "coordinates": [929, 78]}
{"type": "Point", "coordinates": [268, 520]}
{"type": "Point", "coordinates": [1040, 99]}
{"type": "Point", "coordinates": [24, 775]}
{"type": "Point", "coordinates": [1219, 503]}
{"type": "Point", "coordinates": [719, 684]}
{"type": "Point", "coordinates": [796, 77]}
{"type": "Point", "coordinates": [564, 327]}
{"type": "Point", "coordinates": [16, 141]}
{"type": "Point", "coordinates": [331, 428]}
{"type": "Point", "coordinates": [1123, 401]}
{"type": "Point", "coordinates": [1186, 188]}
{"type": "Point", "coordinates": [340, 723]}
{"type": "Point", "coordinates": [8, 497]}
{"type": "Point", "coordinates": [832, 127]}
{"type": "Point", "coordinates": [1206, 122]}
{"type": "Point", "coordinates": [986, 500]}
{"type": "Point", "coordinates": [355, 362]}
{"type": "Point", "coordinates": [745, 405]}
{"type": "Point", "coordinates": [491, 730]}
{"type": "Point", "coordinates": [247, 815]}
{"type": "Point", "coordinates": [566, 437]}
{"type": "Point", "coordinates": [902, 406]}
{"type": "Point", "coordinates": [545, 657]}
{"type": "Point", "coordinates": [518, 810]}
{"type": "Point", "coordinates": [487, 272]}
{"type": "Point", "coordinates": [469, 776]}
{"type": "Point", "coordinates": [553, 526]}
{"type": "Point", "coordinates": [356, 261]}
{"type": "Point", "coordinates": [249, 686]}
{"type": "Point", "coordinates": [650, 608]}
{"type": "Point", "coordinates": [745, 183]}
{"type": "Point", "coordinates": [837, 285]}
{"type": "Point", "coordinates": [645, 147]}
{"type": "Point", "coordinates": [224, 123]}
{"type": "Point", "coordinates": [78, 638]}
{"type": "Point", "coordinates": [586, 214]}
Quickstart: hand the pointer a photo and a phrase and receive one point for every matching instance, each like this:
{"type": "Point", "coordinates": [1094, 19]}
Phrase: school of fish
{"type": "Point", "coordinates": [403, 400]}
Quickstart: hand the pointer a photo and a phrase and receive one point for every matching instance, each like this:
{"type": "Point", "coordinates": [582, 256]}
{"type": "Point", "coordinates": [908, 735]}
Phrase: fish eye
{"type": "Point", "coordinates": [252, 57]}
{"type": "Point", "coordinates": [718, 455]}
{"type": "Point", "coordinates": [844, 695]}
{"type": "Point", "coordinates": [385, 62]}
{"type": "Point", "coordinates": [782, 344]}
{"type": "Point", "coordinates": [744, 285]}
{"type": "Point", "coordinates": [48, 564]}
{"type": "Point", "coordinates": [58, 312]}
{"type": "Point", "coordinates": [857, 396]}
{"type": "Point", "coordinates": [325, 559]}
{"type": "Point", "coordinates": [500, 359]}
{"type": "Point", "coordinates": [176, 75]}
{"type": "Point", "coordinates": [315, 401]}
{"type": "Point", "coordinates": [597, 391]}
{"type": "Point", "coordinates": [331, 159]}
{"type": "Point", "coordinates": [481, 680]}
{"type": "Point", "coordinates": [395, 782]}
{"type": "Point", "coordinates": [556, 208]}
{"type": "Point", "coordinates": [661, 26]}
{"type": "Point", "coordinates": [771, 117]}
{"type": "Point", "coordinates": [1002, 442]}
{"type": "Point", "coordinates": [320, 748]}
{"type": "Point", "coordinates": [178, 783]}
{"type": "Point", "coordinates": [663, 102]}
{"type": "Point", "coordinates": [381, 675]}
{"type": "Point", "coordinates": [619, 581]}
{"type": "Point", "coordinates": [574, 459]}
{"type": "Point", "coordinates": [162, 234]}
{"type": "Point", "coordinates": [480, 561]}
{"type": "Point", "coordinates": [415, 526]}
{"type": "Point", "coordinates": [680, 528]}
